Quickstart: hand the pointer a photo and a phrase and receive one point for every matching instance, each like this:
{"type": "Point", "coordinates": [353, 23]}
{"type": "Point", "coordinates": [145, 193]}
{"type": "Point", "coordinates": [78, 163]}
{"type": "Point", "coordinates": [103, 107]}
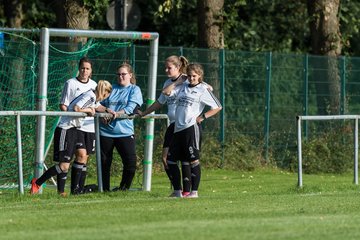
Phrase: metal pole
{"type": "Point", "coordinates": [356, 151]}
{"type": "Point", "coordinates": [306, 92]}
{"type": "Point", "coordinates": [98, 153]}
{"type": "Point", "coordinates": [222, 99]}
{"type": "Point", "coordinates": [124, 15]}
{"type": "Point", "coordinates": [267, 104]}
{"type": "Point", "coordinates": [19, 154]}
{"type": "Point", "coordinates": [42, 101]}
{"type": "Point", "coordinates": [343, 86]}
{"type": "Point", "coordinates": [298, 121]}
{"type": "Point", "coordinates": [149, 136]}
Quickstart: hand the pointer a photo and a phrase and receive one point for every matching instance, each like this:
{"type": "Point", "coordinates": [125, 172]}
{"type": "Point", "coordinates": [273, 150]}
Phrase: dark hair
{"type": "Point", "coordinates": [85, 60]}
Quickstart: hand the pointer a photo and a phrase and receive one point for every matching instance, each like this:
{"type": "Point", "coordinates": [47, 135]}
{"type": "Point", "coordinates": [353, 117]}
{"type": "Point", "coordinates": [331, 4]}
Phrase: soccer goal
{"type": "Point", "coordinates": [54, 62]}
{"type": "Point", "coordinates": [299, 119]}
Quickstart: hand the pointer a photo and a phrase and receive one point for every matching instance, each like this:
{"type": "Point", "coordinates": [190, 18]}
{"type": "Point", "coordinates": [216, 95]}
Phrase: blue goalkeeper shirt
{"type": "Point", "coordinates": [126, 98]}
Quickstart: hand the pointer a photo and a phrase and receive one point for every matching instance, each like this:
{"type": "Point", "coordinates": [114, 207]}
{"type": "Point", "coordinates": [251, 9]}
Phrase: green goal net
{"type": "Point", "coordinates": [19, 76]}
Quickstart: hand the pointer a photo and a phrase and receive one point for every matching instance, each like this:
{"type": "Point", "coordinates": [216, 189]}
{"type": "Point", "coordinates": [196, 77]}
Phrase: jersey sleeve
{"type": "Point", "coordinates": [162, 99]}
{"type": "Point", "coordinates": [209, 99]}
{"type": "Point", "coordinates": [87, 100]}
{"type": "Point", "coordinates": [65, 94]}
{"type": "Point", "coordinates": [135, 100]}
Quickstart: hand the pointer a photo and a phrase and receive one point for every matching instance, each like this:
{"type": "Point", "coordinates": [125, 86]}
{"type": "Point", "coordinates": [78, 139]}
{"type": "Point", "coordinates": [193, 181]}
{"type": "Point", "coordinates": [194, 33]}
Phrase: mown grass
{"type": "Point", "coordinates": [264, 204]}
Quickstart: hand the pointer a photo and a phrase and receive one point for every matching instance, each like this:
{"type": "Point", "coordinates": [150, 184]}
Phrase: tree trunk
{"type": "Point", "coordinates": [77, 17]}
{"type": "Point", "coordinates": [14, 13]}
{"type": "Point", "coordinates": [210, 32]}
{"type": "Point", "coordinates": [60, 13]}
{"type": "Point", "coordinates": [326, 40]}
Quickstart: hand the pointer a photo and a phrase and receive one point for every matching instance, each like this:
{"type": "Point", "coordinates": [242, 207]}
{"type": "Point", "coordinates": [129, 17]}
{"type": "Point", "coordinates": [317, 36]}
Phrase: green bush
{"type": "Point", "coordinates": [331, 152]}
{"type": "Point", "coordinates": [240, 152]}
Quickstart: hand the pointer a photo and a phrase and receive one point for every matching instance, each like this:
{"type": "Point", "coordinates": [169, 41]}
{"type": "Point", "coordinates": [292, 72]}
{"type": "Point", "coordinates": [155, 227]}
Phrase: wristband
{"type": "Point", "coordinates": [203, 116]}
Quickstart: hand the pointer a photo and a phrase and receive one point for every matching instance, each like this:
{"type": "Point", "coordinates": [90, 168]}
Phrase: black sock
{"type": "Point", "coordinates": [175, 173]}
{"type": "Point", "coordinates": [168, 173]}
{"type": "Point", "coordinates": [186, 176]}
{"type": "Point", "coordinates": [83, 178]}
{"type": "Point", "coordinates": [195, 176]}
{"type": "Point", "coordinates": [76, 170]}
{"type": "Point", "coordinates": [48, 174]}
{"type": "Point", "coordinates": [61, 180]}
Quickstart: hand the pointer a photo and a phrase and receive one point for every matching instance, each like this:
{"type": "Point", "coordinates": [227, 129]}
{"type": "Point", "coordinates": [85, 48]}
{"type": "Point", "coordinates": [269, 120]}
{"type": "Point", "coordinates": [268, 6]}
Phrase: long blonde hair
{"type": "Point", "coordinates": [103, 89]}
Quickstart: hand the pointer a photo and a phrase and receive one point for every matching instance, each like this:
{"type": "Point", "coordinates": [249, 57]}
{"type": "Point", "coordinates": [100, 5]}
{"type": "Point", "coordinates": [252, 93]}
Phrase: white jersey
{"type": "Point", "coordinates": [72, 89]}
{"type": "Point", "coordinates": [191, 101]}
{"type": "Point", "coordinates": [84, 100]}
{"type": "Point", "coordinates": [169, 100]}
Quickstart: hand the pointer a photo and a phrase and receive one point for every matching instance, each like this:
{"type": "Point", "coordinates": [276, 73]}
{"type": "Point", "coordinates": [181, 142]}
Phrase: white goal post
{"type": "Point", "coordinates": [322, 118]}
{"type": "Point", "coordinates": [45, 34]}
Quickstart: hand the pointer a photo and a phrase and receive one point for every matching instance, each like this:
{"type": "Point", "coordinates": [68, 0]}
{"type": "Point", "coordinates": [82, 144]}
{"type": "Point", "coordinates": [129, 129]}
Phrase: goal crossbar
{"type": "Point", "coordinates": [323, 118]}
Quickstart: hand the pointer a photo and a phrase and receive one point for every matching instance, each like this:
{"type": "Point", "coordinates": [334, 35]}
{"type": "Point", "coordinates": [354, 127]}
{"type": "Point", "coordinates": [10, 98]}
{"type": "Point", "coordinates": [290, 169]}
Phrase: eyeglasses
{"type": "Point", "coordinates": [121, 74]}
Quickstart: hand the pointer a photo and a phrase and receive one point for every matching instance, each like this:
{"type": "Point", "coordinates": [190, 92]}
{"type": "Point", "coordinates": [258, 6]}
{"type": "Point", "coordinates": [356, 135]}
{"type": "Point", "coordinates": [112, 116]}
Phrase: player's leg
{"type": "Point", "coordinates": [62, 176]}
{"type": "Point", "coordinates": [165, 151]}
{"type": "Point", "coordinates": [85, 147]}
{"type": "Point", "coordinates": [176, 152]}
{"type": "Point", "coordinates": [67, 149]}
{"type": "Point", "coordinates": [107, 146]}
{"type": "Point", "coordinates": [195, 175]}
{"type": "Point", "coordinates": [126, 148]}
{"type": "Point", "coordinates": [64, 147]}
{"type": "Point", "coordinates": [193, 155]}
{"type": "Point", "coordinates": [186, 178]}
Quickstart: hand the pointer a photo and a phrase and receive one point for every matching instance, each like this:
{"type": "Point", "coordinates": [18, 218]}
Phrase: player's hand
{"type": "Point", "coordinates": [139, 113]}
{"type": "Point", "coordinates": [91, 112]}
{"type": "Point", "coordinates": [106, 120]}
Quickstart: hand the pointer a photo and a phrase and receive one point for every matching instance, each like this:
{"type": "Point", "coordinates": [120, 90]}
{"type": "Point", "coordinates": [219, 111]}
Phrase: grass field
{"type": "Point", "coordinates": [264, 204]}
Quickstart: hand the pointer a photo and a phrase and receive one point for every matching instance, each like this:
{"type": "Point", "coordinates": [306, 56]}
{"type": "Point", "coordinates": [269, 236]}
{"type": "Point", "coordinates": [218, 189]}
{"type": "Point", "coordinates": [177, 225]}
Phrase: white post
{"type": "Point", "coordinates": [149, 136]}
{"type": "Point", "coordinates": [356, 150]}
{"type": "Point", "coordinates": [300, 184]}
{"type": "Point", "coordinates": [19, 153]}
{"type": "Point", "coordinates": [41, 102]}
{"type": "Point", "coordinates": [98, 153]}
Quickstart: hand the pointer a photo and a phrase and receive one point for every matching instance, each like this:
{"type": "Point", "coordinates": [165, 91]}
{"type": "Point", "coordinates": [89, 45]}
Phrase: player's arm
{"type": "Point", "coordinates": [89, 110]}
{"type": "Point", "coordinates": [155, 106]}
{"type": "Point", "coordinates": [208, 114]}
{"type": "Point", "coordinates": [171, 87]}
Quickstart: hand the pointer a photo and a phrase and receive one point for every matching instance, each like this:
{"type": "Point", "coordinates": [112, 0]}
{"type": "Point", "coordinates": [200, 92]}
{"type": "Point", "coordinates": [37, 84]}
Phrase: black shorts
{"type": "Point", "coordinates": [169, 135]}
{"type": "Point", "coordinates": [86, 140]}
{"type": "Point", "coordinates": [185, 145]}
{"type": "Point", "coordinates": [65, 144]}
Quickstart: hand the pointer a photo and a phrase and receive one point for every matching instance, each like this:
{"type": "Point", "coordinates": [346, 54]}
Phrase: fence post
{"type": "Point", "coordinates": [343, 85]}
{"type": "Point", "coordinates": [306, 93]}
{"type": "Point", "coordinates": [181, 51]}
{"type": "Point", "coordinates": [267, 104]}
{"type": "Point", "coordinates": [222, 100]}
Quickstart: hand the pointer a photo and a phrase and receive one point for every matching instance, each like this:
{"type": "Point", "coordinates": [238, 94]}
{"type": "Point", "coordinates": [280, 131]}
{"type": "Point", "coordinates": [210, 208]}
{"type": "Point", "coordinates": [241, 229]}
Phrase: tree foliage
{"type": "Point", "coordinates": [258, 25]}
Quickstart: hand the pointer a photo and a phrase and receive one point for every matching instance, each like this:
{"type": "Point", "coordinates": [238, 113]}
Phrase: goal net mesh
{"type": "Point", "coordinates": [19, 76]}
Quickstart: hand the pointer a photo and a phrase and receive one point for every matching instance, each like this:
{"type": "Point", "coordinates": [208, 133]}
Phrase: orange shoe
{"type": "Point", "coordinates": [34, 187]}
